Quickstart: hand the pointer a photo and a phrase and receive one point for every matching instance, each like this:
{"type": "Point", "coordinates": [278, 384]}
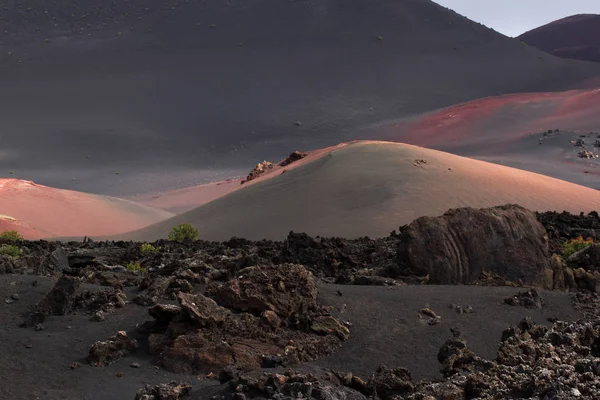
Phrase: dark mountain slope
{"type": "Point", "coordinates": [577, 37]}
{"type": "Point", "coordinates": [170, 93]}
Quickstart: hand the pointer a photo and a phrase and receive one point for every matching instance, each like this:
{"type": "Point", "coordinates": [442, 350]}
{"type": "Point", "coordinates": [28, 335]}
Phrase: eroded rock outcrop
{"type": "Point", "coordinates": [267, 316]}
{"type": "Point", "coordinates": [461, 245]}
{"type": "Point", "coordinates": [284, 289]}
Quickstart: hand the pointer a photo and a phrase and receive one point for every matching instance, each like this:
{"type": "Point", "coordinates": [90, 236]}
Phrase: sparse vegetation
{"type": "Point", "coordinates": [10, 250]}
{"type": "Point", "coordinates": [148, 249]}
{"type": "Point", "coordinates": [183, 232]}
{"type": "Point", "coordinates": [135, 267]}
{"type": "Point", "coordinates": [11, 236]}
{"type": "Point", "coordinates": [574, 245]}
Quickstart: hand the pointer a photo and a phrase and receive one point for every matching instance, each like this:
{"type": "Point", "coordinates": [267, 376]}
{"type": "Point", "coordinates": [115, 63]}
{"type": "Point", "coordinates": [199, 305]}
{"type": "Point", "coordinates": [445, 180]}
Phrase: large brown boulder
{"type": "Point", "coordinates": [285, 289]}
{"type": "Point", "coordinates": [461, 245]}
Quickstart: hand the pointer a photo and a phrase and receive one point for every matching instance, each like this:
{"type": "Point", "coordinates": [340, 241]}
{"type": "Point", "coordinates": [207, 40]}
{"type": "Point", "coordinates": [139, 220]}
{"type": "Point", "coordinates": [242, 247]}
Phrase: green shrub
{"type": "Point", "coordinates": [182, 232]}
{"type": "Point", "coordinates": [10, 250]}
{"type": "Point", "coordinates": [574, 245]}
{"type": "Point", "coordinates": [148, 249]}
{"type": "Point", "coordinates": [135, 267]}
{"type": "Point", "coordinates": [11, 236]}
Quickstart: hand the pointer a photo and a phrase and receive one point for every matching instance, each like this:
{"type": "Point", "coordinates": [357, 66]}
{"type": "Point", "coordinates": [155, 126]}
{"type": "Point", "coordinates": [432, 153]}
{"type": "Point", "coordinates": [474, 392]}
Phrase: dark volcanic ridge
{"type": "Point", "coordinates": [577, 37]}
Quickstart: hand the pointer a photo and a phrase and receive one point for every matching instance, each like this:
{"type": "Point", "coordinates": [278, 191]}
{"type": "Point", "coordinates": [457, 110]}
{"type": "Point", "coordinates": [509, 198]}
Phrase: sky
{"type": "Point", "coordinates": [514, 17]}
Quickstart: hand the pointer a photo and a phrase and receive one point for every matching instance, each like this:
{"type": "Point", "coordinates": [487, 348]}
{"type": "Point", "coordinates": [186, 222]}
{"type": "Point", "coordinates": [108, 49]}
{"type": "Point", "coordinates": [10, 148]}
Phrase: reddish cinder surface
{"type": "Point", "coordinates": [503, 118]}
{"type": "Point", "coordinates": [575, 37]}
{"type": "Point", "coordinates": [38, 211]}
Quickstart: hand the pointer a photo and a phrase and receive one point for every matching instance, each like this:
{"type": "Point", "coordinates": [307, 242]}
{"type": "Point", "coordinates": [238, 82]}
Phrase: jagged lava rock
{"type": "Point", "coordinates": [106, 352]}
{"type": "Point", "coordinates": [285, 289]}
{"type": "Point", "coordinates": [201, 309]}
{"type": "Point", "coordinates": [164, 391]}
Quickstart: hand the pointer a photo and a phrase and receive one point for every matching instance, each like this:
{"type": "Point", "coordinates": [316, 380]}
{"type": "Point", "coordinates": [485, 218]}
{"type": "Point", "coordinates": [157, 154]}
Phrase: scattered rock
{"type": "Point", "coordinates": [327, 325]}
{"type": "Point", "coordinates": [164, 391]}
{"type": "Point", "coordinates": [429, 312]}
{"type": "Point", "coordinates": [388, 383]}
{"type": "Point", "coordinates": [260, 169]}
{"type": "Point", "coordinates": [528, 299]}
{"type": "Point", "coordinates": [111, 350]}
{"type": "Point", "coordinates": [455, 356]}
{"type": "Point", "coordinates": [293, 157]}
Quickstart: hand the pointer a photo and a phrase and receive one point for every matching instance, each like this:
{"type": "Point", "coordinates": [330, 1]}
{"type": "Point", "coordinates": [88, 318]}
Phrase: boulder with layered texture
{"type": "Point", "coordinates": [461, 245]}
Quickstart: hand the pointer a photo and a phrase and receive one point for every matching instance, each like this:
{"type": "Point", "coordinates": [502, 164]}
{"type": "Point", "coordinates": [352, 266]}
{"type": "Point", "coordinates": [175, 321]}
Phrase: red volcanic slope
{"type": "Point", "coordinates": [502, 119]}
{"type": "Point", "coordinates": [38, 211]}
{"type": "Point", "coordinates": [575, 37]}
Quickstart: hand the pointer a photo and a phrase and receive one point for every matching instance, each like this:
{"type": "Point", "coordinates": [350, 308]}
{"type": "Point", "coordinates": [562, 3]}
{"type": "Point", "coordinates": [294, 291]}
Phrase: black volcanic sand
{"type": "Point", "coordinates": [200, 90]}
{"type": "Point", "coordinates": [386, 328]}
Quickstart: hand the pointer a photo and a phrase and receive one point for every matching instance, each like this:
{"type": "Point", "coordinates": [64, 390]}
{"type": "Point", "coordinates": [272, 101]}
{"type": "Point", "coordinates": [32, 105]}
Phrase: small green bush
{"type": "Point", "coordinates": [135, 267]}
{"type": "Point", "coordinates": [11, 236]}
{"type": "Point", "coordinates": [148, 249]}
{"type": "Point", "coordinates": [10, 250]}
{"type": "Point", "coordinates": [182, 232]}
{"type": "Point", "coordinates": [574, 245]}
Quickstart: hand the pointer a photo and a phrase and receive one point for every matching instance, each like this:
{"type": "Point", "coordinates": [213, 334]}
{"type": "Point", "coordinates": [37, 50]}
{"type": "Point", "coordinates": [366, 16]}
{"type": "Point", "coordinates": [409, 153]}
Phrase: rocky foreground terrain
{"type": "Point", "coordinates": [256, 320]}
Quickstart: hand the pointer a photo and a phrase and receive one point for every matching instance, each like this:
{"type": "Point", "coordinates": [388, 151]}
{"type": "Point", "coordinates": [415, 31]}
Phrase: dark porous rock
{"type": "Point", "coordinates": [105, 300]}
{"type": "Point", "coordinates": [96, 256]}
{"type": "Point", "coordinates": [202, 310]}
{"type": "Point", "coordinates": [194, 354]}
{"type": "Point", "coordinates": [259, 169]}
{"type": "Point", "coordinates": [285, 289]}
{"type": "Point", "coordinates": [327, 325]}
{"type": "Point", "coordinates": [103, 353]}
{"type": "Point", "coordinates": [390, 382]}
{"type": "Point", "coordinates": [370, 280]}
{"type": "Point", "coordinates": [455, 356]}
{"type": "Point", "coordinates": [61, 298]}
{"type": "Point", "coordinates": [270, 319]}
{"type": "Point", "coordinates": [58, 260]}
{"type": "Point", "coordinates": [229, 373]}
{"type": "Point", "coordinates": [587, 258]}
{"type": "Point", "coordinates": [286, 385]}
{"type": "Point", "coordinates": [164, 313]}
{"type": "Point", "coordinates": [7, 264]}
{"type": "Point", "coordinates": [164, 391]}
{"type": "Point", "coordinates": [529, 299]}
{"type": "Point", "coordinates": [293, 157]}
{"type": "Point", "coordinates": [153, 288]}
{"type": "Point", "coordinates": [464, 243]}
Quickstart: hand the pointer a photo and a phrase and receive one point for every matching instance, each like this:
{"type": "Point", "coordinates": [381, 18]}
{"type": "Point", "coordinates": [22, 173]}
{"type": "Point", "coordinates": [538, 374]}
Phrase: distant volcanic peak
{"type": "Point", "coordinates": [575, 18]}
{"type": "Point", "coordinates": [570, 20]}
{"type": "Point", "coordinates": [576, 37]}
